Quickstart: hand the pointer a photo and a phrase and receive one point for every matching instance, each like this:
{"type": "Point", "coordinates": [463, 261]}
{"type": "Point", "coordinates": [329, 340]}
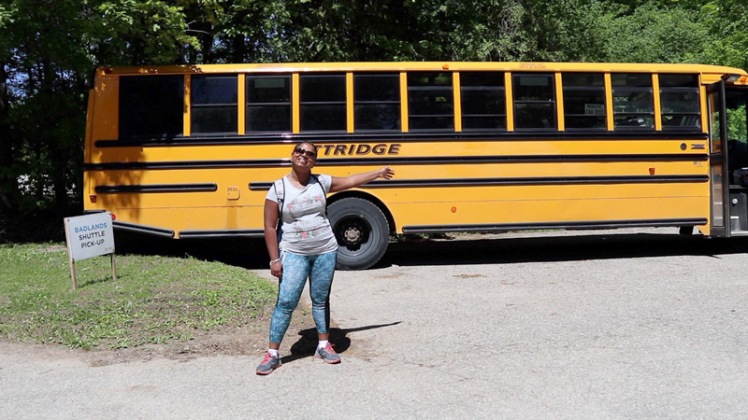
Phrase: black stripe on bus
{"type": "Point", "coordinates": [155, 188]}
{"type": "Point", "coordinates": [410, 137]}
{"type": "Point", "coordinates": [394, 160]}
{"type": "Point", "coordinates": [457, 160]}
{"type": "Point", "coordinates": [591, 224]}
{"type": "Point", "coordinates": [149, 230]}
{"type": "Point", "coordinates": [570, 180]}
{"type": "Point", "coordinates": [197, 234]}
{"type": "Point", "coordinates": [537, 181]}
{"type": "Point", "coordinates": [396, 136]}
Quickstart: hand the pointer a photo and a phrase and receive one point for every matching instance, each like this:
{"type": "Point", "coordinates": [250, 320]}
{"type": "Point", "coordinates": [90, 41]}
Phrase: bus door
{"type": "Point", "coordinates": [728, 141]}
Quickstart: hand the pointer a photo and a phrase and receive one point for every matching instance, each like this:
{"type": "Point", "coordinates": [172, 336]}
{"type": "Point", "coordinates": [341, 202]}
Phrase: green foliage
{"type": "Point", "coordinates": [7, 12]}
{"type": "Point", "coordinates": [52, 49]}
{"type": "Point", "coordinates": [141, 32]}
{"type": "Point", "coordinates": [565, 30]}
{"type": "Point", "coordinates": [728, 24]}
{"type": "Point", "coordinates": [154, 299]}
{"type": "Point", "coordinates": [41, 88]}
{"type": "Point", "coordinates": [652, 34]}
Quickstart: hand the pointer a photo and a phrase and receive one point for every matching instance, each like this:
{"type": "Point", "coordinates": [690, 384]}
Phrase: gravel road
{"type": "Point", "coordinates": [624, 325]}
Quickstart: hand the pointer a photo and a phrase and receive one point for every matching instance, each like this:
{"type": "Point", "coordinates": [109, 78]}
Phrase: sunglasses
{"type": "Point", "coordinates": [307, 153]}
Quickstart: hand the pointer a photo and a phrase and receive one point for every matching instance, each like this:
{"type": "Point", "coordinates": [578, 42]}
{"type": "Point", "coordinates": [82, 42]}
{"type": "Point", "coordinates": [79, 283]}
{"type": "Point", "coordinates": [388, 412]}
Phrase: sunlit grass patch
{"type": "Point", "coordinates": [154, 299]}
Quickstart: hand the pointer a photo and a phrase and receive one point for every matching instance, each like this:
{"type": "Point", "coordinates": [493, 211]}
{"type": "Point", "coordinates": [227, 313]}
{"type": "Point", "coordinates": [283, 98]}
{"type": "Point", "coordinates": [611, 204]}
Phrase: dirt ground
{"type": "Point", "coordinates": [250, 339]}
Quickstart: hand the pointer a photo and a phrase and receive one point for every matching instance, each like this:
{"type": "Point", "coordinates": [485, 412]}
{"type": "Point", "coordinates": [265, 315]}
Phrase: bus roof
{"type": "Point", "coordinates": [427, 66]}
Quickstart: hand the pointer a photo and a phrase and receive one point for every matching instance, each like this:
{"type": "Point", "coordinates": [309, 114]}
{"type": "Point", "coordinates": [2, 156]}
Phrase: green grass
{"type": "Point", "coordinates": [154, 300]}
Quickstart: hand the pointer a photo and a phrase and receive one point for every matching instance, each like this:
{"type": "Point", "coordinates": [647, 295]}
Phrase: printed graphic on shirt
{"type": "Point", "coordinates": [307, 212]}
{"type": "Point", "coordinates": [306, 204]}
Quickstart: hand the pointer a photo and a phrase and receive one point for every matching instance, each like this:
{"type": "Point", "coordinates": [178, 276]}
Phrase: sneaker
{"type": "Point", "coordinates": [269, 364]}
{"type": "Point", "coordinates": [328, 354]}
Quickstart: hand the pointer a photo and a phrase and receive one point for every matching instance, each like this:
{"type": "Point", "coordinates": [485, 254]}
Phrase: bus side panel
{"type": "Point", "coordinates": [103, 107]}
{"type": "Point", "coordinates": [548, 205]}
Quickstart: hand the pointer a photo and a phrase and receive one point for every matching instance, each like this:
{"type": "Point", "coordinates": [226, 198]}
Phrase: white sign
{"type": "Point", "coordinates": [594, 109]}
{"type": "Point", "coordinates": [89, 236]}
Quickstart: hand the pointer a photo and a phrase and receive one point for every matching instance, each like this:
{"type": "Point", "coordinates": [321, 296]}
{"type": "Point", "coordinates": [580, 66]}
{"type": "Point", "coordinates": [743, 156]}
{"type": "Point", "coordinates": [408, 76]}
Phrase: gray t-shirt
{"type": "Point", "coordinates": [306, 229]}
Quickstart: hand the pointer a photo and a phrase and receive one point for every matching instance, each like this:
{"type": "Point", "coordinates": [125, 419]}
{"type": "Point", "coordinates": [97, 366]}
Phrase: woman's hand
{"type": "Point", "coordinates": [386, 173]}
{"type": "Point", "coordinates": [276, 268]}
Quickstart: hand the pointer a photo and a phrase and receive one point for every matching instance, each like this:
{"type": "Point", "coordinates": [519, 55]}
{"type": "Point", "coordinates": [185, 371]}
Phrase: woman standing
{"type": "Point", "coordinates": [307, 248]}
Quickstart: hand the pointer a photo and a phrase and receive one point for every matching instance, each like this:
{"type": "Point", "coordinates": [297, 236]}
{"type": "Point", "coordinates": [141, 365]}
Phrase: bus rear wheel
{"type": "Point", "coordinates": [362, 232]}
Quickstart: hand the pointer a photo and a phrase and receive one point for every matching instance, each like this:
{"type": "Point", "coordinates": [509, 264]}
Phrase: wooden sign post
{"type": "Point", "coordinates": [89, 236]}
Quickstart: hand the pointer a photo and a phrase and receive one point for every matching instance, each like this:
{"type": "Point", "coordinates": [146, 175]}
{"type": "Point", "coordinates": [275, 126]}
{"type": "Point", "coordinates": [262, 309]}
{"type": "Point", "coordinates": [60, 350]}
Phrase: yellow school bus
{"type": "Point", "coordinates": [190, 151]}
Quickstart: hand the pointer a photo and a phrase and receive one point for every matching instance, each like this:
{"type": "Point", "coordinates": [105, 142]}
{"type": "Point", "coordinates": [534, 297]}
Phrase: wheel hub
{"type": "Point", "coordinates": [352, 234]}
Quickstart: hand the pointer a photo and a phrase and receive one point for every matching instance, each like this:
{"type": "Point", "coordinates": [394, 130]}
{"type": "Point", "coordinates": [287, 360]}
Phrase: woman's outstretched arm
{"type": "Point", "coordinates": [355, 180]}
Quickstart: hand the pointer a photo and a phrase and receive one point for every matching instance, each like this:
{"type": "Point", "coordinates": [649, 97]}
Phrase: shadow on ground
{"type": "Point", "coordinates": [558, 247]}
{"type": "Point", "coordinates": [461, 249]}
{"type": "Point", "coordinates": [306, 345]}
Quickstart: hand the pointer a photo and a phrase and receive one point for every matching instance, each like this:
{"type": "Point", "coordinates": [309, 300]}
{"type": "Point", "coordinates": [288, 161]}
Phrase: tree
{"type": "Point", "coordinates": [653, 34]}
{"type": "Point", "coordinates": [48, 52]}
{"type": "Point", "coordinates": [140, 32]}
{"type": "Point", "coordinates": [9, 194]}
{"type": "Point", "coordinates": [727, 21]}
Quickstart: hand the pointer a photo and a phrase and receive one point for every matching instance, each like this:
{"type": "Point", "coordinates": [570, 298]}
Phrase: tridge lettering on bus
{"type": "Point", "coordinates": [359, 149]}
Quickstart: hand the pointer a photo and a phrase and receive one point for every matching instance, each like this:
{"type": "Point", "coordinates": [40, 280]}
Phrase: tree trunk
{"type": "Point", "coordinates": [9, 194]}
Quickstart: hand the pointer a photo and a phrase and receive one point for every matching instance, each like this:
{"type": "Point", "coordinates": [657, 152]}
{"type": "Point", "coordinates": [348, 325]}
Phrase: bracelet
{"type": "Point", "coordinates": [274, 261]}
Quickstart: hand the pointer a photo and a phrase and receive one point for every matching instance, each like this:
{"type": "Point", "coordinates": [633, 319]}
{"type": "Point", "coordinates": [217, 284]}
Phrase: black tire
{"type": "Point", "coordinates": [686, 230]}
{"type": "Point", "coordinates": [362, 232]}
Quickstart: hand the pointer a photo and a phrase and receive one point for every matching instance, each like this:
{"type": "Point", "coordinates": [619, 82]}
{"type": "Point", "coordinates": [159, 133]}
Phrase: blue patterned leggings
{"type": "Point", "coordinates": [319, 269]}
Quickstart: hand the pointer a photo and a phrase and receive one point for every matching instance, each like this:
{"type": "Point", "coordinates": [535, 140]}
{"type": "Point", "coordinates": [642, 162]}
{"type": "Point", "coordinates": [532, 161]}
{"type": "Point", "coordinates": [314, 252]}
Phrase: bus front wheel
{"type": "Point", "coordinates": [362, 232]}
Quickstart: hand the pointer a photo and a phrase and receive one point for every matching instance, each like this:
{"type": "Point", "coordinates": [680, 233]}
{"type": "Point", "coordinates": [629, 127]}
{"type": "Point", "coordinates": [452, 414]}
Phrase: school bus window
{"type": "Point", "coordinates": [322, 102]}
{"type": "Point", "coordinates": [584, 100]}
{"type": "Point", "coordinates": [376, 99]}
{"type": "Point", "coordinates": [430, 101]}
{"type": "Point", "coordinates": [150, 107]}
{"type": "Point", "coordinates": [737, 134]}
{"type": "Point", "coordinates": [633, 106]}
{"type": "Point", "coordinates": [534, 101]}
{"type": "Point", "coordinates": [679, 99]}
{"type": "Point", "coordinates": [213, 101]}
{"type": "Point", "coordinates": [483, 101]}
{"type": "Point", "coordinates": [268, 103]}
